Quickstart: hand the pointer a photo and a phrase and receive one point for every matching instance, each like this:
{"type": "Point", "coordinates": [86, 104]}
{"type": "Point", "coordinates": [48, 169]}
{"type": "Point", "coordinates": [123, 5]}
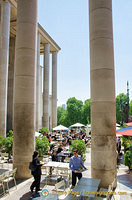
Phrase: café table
{"type": "Point", "coordinates": [86, 187]}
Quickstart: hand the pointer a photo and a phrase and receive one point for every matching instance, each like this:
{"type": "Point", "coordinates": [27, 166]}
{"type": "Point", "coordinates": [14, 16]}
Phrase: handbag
{"type": "Point", "coordinates": [32, 167]}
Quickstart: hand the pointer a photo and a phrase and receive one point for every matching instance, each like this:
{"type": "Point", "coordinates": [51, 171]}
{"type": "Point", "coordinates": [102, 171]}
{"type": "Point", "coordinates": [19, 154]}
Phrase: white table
{"type": "Point", "coordinates": [56, 164]}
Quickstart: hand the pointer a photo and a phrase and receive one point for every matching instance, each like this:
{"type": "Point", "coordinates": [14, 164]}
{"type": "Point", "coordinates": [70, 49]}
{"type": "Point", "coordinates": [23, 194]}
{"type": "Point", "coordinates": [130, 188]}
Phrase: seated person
{"type": "Point", "coordinates": [60, 148]}
{"type": "Point", "coordinates": [55, 156]}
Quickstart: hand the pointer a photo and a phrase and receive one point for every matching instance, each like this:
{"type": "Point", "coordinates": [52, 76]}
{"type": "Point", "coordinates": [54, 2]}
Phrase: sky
{"type": "Point", "coordinates": [67, 22]}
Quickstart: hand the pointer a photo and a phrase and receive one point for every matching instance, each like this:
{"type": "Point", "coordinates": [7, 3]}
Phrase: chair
{"type": "Point", "coordinates": [2, 177]}
{"type": "Point", "coordinates": [10, 177]}
{"type": "Point", "coordinates": [61, 193]}
{"type": "Point", "coordinates": [64, 172]}
{"type": "Point", "coordinates": [109, 193]}
{"type": "Point", "coordinates": [45, 172]}
{"type": "Point", "coordinates": [4, 158]}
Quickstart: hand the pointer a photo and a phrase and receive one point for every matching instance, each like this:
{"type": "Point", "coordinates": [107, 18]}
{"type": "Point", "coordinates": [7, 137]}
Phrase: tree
{"type": "Point", "coordinates": [61, 116]}
{"type": "Point", "coordinates": [121, 101]}
{"type": "Point", "coordinates": [86, 112]}
{"type": "Point", "coordinates": [74, 111]}
{"type": "Point", "coordinates": [130, 108]}
{"type": "Point", "coordinates": [44, 130]}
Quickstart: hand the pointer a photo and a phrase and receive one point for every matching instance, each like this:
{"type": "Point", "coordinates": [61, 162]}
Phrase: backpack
{"type": "Point", "coordinates": [32, 167]}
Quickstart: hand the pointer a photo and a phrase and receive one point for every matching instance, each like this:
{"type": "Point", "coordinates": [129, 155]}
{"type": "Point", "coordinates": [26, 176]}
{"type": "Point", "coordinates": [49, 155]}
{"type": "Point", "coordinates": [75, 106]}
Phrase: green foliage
{"type": "Point", "coordinates": [7, 144]}
{"type": "Point", "coordinates": [74, 110]}
{"type": "Point", "coordinates": [86, 112]}
{"type": "Point", "coordinates": [81, 146]}
{"type": "Point", "coordinates": [130, 108]}
{"type": "Point", "coordinates": [10, 133]}
{"type": "Point", "coordinates": [126, 141]}
{"type": "Point", "coordinates": [61, 116]}
{"type": "Point", "coordinates": [44, 130]}
{"type": "Point", "coordinates": [42, 145]}
{"type": "Point", "coordinates": [121, 101]}
{"type": "Point", "coordinates": [128, 157]}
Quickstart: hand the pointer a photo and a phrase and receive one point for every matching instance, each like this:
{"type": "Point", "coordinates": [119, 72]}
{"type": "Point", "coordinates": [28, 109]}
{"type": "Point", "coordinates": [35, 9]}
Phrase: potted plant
{"type": "Point", "coordinates": [44, 130]}
{"type": "Point", "coordinates": [126, 142]}
{"type": "Point", "coordinates": [80, 146]}
{"type": "Point", "coordinates": [128, 158]}
{"type": "Point", "coordinates": [41, 145]}
{"type": "Point", "coordinates": [7, 144]}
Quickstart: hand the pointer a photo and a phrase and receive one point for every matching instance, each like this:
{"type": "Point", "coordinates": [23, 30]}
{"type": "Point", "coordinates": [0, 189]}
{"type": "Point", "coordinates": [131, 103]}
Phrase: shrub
{"type": "Point", "coordinates": [126, 142]}
{"type": "Point", "coordinates": [7, 144]}
{"type": "Point", "coordinates": [42, 145]}
{"type": "Point", "coordinates": [10, 133]}
{"type": "Point", "coordinates": [80, 146]}
{"type": "Point", "coordinates": [44, 130]}
{"type": "Point", "coordinates": [128, 158]}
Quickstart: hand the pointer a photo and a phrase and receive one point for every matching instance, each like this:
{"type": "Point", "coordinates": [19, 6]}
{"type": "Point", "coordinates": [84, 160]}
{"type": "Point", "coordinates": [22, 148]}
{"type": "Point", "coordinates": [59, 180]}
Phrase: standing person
{"type": "Point", "coordinates": [37, 173]}
{"type": "Point", "coordinates": [75, 164]}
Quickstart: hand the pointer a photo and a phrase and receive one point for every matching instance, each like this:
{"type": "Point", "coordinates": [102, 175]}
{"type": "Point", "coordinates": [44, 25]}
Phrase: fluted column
{"type": "Point", "coordinates": [46, 86]}
{"type": "Point", "coordinates": [25, 83]}
{"type": "Point", "coordinates": [10, 85]}
{"type": "Point", "coordinates": [38, 84]}
{"type": "Point", "coordinates": [4, 55]}
{"type": "Point", "coordinates": [103, 105]}
{"type": "Point", "coordinates": [54, 89]}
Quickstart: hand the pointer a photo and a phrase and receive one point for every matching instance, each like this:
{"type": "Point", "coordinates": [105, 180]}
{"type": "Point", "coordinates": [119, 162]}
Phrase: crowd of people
{"type": "Point", "coordinates": [66, 139]}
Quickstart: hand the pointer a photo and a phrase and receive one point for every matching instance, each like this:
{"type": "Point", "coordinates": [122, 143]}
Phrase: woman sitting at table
{"type": "Point", "coordinates": [55, 156]}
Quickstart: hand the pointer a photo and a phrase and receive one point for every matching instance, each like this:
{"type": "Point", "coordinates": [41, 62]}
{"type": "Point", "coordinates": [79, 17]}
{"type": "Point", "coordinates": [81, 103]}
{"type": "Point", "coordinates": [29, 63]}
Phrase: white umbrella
{"type": "Point", "coordinates": [60, 128]}
{"type": "Point", "coordinates": [77, 125]}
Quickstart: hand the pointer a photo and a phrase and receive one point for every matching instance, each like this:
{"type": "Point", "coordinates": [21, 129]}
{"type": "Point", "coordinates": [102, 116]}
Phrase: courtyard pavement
{"type": "Point", "coordinates": [124, 184]}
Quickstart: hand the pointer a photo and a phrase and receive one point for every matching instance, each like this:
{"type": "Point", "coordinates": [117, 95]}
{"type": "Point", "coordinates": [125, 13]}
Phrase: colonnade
{"type": "Point", "coordinates": [7, 60]}
{"type": "Point", "coordinates": [25, 76]}
{"type": "Point", "coordinates": [20, 86]}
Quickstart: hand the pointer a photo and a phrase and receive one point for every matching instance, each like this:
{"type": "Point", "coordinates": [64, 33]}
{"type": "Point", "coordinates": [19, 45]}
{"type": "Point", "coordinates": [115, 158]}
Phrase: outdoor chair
{"type": "Point", "coordinates": [109, 195]}
{"type": "Point", "coordinates": [2, 177]}
{"type": "Point", "coordinates": [65, 173]}
{"type": "Point", "coordinates": [45, 172]}
{"type": "Point", "coordinates": [67, 160]}
{"type": "Point", "coordinates": [10, 177]}
{"type": "Point", "coordinates": [61, 193]}
{"type": "Point", "coordinates": [4, 158]}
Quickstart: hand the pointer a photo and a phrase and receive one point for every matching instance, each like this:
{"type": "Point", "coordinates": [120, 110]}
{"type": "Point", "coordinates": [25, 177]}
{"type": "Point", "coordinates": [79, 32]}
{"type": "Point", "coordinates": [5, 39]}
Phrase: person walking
{"type": "Point", "coordinates": [75, 165]}
{"type": "Point", "coordinates": [36, 173]}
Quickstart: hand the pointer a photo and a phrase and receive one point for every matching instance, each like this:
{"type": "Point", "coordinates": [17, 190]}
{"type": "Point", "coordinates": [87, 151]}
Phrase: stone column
{"type": "Point", "coordinates": [41, 98]}
{"type": "Point", "coordinates": [4, 53]}
{"type": "Point", "coordinates": [10, 85]}
{"type": "Point", "coordinates": [38, 84]}
{"type": "Point", "coordinates": [54, 89]}
{"type": "Point", "coordinates": [24, 86]}
{"type": "Point", "coordinates": [46, 86]}
{"type": "Point", "coordinates": [103, 105]}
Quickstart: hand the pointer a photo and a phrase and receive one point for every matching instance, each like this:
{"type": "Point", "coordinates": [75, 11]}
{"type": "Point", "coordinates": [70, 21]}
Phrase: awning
{"type": "Point", "coordinates": [77, 125]}
{"type": "Point", "coordinates": [60, 128]}
{"type": "Point", "coordinates": [125, 131]}
{"type": "Point", "coordinates": [129, 124]}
